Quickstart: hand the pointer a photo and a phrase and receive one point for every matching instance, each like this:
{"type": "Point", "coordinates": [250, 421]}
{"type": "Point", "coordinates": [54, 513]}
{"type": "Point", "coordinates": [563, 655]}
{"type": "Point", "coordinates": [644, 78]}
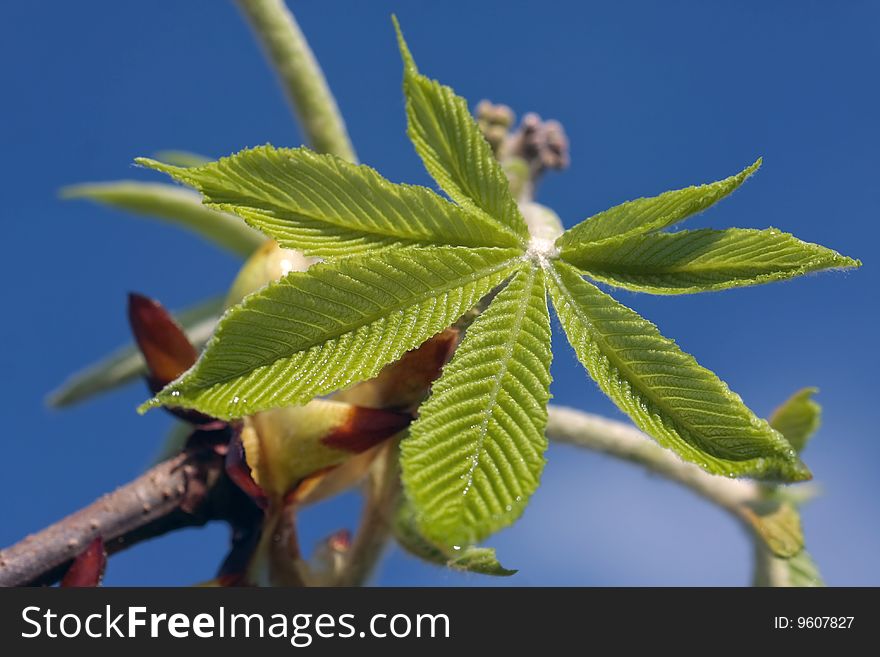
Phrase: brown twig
{"type": "Point", "coordinates": [188, 490]}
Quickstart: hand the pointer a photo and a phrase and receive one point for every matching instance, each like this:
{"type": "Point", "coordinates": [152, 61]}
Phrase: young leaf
{"type": "Point", "coordinates": [470, 558]}
{"type": "Point", "coordinates": [778, 523]}
{"type": "Point", "coordinates": [475, 455]}
{"type": "Point", "coordinates": [684, 406]}
{"type": "Point", "coordinates": [325, 206]}
{"type": "Point", "coordinates": [798, 418]}
{"type": "Point", "coordinates": [803, 571]}
{"type": "Point", "coordinates": [267, 264]}
{"type": "Point", "coordinates": [317, 331]}
{"type": "Point", "coordinates": [127, 364]}
{"type": "Point", "coordinates": [780, 558]}
{"type": "Point", "coordinates": [648, 214]}
{"type": "Point", "coordinates": [703, 260]}
{"type": "Point", "coordinates": [175, 205]}
{"type": "Point", "coordinates": [454, 151]}
{"type": "Point", "coordinates": [798, 571]}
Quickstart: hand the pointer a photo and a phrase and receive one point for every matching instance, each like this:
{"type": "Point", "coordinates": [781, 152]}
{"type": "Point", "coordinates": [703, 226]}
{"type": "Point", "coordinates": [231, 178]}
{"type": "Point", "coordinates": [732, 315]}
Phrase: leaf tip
{"type": "Point", "coordinates": [69, 192]}
{"type": "Point", "coordinates": [156, 165]}
{"type": "Point", "coordinates": [409, 64]}
{"type": "Point", "coordinates": [149, 405]}
{"type": "Point", "coordinates": [494, 570]}
{"type": "Point", "coordinates": [184, 159]}
{"type": "Point", "coordinates": [58, 398]}
{"type": "Point", "coordinates": [798, 417]}
{"type": "Point", "coordinates": [479, 560]}
{"type": "Point", "coordinates": [798, 471]}
{"type": "Point", "coordinates": [752, 168]}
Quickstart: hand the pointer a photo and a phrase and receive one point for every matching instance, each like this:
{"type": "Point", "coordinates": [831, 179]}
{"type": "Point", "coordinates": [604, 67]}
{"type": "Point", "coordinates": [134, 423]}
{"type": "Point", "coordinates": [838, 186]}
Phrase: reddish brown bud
{"type": "Point", "coordinates": [240, 473]}
{"type": "Point", "coordinates": [166, 350]}
{"type": "Point", "coordinates": [364, 428]}
{"type": "Point", "coordinates": [339, 541]}
{"type": "Point", "coordinates": [163, 343]}
{"type": "Point", "coordinates": [88, 567]}
{"type": "Point", "coordinates": [285, 445]}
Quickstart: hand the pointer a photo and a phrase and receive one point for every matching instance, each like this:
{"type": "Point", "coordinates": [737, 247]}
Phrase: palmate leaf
{"type": "Point", "coordinates": [703, 260]}
{"type": "Point", "coordinates": [453, 149]}
{"type": "Point", "coordinates": [798, 418]}
{"type": "Point", "coordinates": [325, 206]}
{"type": "Point", "coordinates": [684, 406]}
{"type": "Point", "coordinates": [647, 214]}
{"type": "Point", "coordinates": [318, 331]}
{"type": "Point", "coordinates": [401, 264]}
{"type": "Point", "coordinates": [475, 455]}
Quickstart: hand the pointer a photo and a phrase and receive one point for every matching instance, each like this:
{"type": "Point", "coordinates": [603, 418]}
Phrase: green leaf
{"type": "Point", "coordinates": [798, 571]}
{"type": "Point", "coordinates": [318, 331]}
{"type": "Point", "coordinates": [328, 207]}
{"type": "Point", "coordinates": [475, 455]}
{"type": "Point", "coordinates": [648, 214]}
{"type": "Point", "coordinates": [778, 524]}
{"type": "Point", "coordinates": [182, 158]}
{"type": "Point", "coordinates": [469, 558]}
{"type": "Point", "coordinates": [127, 363]}
{"type": "Point", "coordinates": [453, 149]}
{"type": "Point", "coordinates": [781, 559]}
{"type": "Point", "coordinates": [703, 260]}
{"type": "Point", "coordinates": [684, 406]}
{"type": "Point", "coordinates": [480, 560]}
{"type": "Point", "coordinates": [177, 206]}
{"type": "Point", "coordinates": [803, 571]}
{"type": "Point", "coordinates": [798, 418]}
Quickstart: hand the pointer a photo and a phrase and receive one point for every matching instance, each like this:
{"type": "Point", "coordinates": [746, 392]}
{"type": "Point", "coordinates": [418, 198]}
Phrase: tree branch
{"type": "Point", "coordinates": [191, 489]}
{"type": "Point", "coordinates": [301, 77]}
{"type": "Point", "coordinates": [187, 490]}
{"type": "Point", "coordinates": [567, 425]}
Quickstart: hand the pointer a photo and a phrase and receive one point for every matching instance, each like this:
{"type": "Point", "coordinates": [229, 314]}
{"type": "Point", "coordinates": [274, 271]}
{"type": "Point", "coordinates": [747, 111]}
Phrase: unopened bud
{"type": "Point", "coordinates": [267, 264]}
{"type": "Point", "coordinates": [542, 144]}
{"type": "Point", "coordinates": [494, 122]}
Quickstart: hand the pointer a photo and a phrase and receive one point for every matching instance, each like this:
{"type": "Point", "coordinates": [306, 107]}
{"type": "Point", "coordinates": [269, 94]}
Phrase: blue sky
{"type": "Point", "coordinates": [653, 96]}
